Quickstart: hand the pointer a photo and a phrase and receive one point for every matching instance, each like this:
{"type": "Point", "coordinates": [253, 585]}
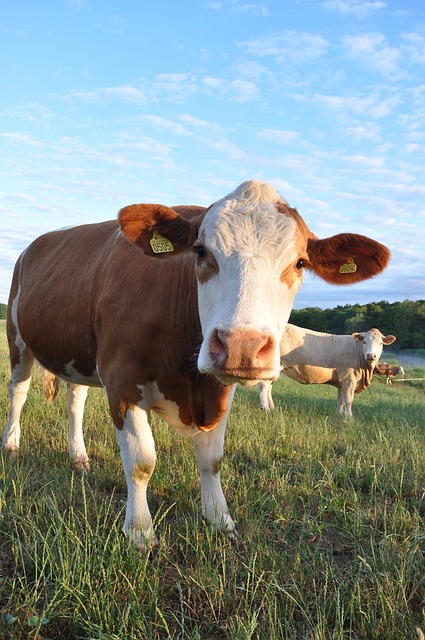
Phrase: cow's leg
{"type": "Point", "coordinates": [347, 396]}
{"type": "Point", "coordinates": [18, 391]}
{"type": "Point", "coordinates": [209, 447]}
{"type": "Point", "coordinates": [75, 399]}
{"type": "Point", "coordinates": [265, 393]}
{"type": "Point", "coordinates": [340, 404]}
{"type": "Point", "coordinates": [138, 458]}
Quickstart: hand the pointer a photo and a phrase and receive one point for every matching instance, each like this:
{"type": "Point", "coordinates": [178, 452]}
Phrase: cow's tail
{"type": "Point", "coordinates": [50, 386]}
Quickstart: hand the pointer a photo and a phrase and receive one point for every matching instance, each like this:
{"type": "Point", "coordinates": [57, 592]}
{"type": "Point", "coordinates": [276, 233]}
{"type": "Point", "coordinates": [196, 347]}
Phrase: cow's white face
{"type": "Point", "coordinates": [372, 344]}
{"type": "Point", "coordinates": [249, 268]}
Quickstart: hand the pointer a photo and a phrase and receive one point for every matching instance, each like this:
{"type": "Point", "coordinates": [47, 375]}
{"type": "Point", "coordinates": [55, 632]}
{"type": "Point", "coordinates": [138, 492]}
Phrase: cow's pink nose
{"type": "Point", "coordinates": [371, 356]}
{"type": "Point", "coordinates": [242, 349]}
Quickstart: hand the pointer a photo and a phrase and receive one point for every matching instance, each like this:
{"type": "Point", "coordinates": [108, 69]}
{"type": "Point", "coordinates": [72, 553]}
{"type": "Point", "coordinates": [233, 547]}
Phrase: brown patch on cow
{"type": "Point", "coordinates": [291, 275]}
{"type": "Point", "coordinates": [286, 210]}
{"type": "Point", "coordinates": [205, 267]}
{"type": "Point", "coordinates": [206, 404]}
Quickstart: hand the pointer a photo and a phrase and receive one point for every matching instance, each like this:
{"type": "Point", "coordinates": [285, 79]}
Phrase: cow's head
{"type": "Point", "coordinates": [372, 344]}
{"type": "Point", "coordinates": [251, 249]}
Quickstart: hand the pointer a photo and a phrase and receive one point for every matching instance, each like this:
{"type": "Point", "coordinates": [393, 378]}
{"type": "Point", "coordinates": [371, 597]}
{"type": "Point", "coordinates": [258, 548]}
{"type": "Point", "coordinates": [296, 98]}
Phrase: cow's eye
{"type": "Point", "coordinates": [300, 264]}
{"type": "Point", "coordinates": [200, 251]}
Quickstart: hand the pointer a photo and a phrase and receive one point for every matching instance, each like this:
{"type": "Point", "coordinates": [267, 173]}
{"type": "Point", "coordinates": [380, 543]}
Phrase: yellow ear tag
{"type": "Point", "coordinates": [160, 244]}
{"type": "Point", "coordinates": [349, 267]}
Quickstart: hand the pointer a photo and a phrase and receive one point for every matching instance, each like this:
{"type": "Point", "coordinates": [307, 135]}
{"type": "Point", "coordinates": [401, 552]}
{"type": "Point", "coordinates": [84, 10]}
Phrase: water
{"type": "Point", "coordinates": [405, 359]}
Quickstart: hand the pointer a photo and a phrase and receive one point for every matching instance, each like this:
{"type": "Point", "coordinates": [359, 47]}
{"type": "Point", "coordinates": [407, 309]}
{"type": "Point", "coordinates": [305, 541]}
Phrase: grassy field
{"type": "Point", "coordinates": [330, 512]}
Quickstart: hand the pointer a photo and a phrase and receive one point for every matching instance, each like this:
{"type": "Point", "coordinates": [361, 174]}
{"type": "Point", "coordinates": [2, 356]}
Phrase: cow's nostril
{"type": "Point", "coordinates": [267, 349]}
{"type": "Point", "coordinates": [218, 344]}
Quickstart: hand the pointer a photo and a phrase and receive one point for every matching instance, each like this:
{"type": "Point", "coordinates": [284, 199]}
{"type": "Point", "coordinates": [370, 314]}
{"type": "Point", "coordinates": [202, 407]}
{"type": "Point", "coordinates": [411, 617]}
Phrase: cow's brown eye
{"type": "Point", "coordinates": [201, 252]}
{"type": "Point", "coordinates": [300, 264]}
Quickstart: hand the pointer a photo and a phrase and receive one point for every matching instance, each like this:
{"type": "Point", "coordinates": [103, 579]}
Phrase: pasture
{"type": "Point", "coordinates": [330, 512]}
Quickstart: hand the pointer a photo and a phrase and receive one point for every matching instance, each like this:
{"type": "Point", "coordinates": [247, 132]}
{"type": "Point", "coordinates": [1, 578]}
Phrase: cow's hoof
{"type": "Point", "coordinates": [12, 452]}
{"type": "Point", "coordinates": [234, 537]}
{"type": "Point", "coordinates": [81, 464]}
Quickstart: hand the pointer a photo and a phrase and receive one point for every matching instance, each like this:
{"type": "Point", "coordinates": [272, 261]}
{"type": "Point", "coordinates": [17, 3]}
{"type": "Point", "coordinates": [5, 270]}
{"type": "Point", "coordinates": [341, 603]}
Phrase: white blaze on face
{"type": "Point", "coordinates": [372, 346]}
{"type": "Point", "coordinates": [247, 281]}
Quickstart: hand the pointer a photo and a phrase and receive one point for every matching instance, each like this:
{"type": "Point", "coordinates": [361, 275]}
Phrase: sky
{"type": "Point", "coordinates": [104, 104]}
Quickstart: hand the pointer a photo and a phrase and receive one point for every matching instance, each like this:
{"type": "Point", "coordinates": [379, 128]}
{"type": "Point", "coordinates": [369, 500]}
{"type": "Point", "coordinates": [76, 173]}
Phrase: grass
{"type": "Point", "coordinates": [330, 512]}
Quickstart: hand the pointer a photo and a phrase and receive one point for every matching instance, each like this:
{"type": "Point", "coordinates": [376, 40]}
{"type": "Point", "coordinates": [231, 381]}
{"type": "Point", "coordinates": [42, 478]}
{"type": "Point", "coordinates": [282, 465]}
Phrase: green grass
{"type": "Point", "coordinates": [330, 512]}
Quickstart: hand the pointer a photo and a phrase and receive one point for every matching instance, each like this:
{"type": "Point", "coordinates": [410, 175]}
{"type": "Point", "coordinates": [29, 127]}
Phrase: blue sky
{"type": "Point", "coordinates": [104, 104]}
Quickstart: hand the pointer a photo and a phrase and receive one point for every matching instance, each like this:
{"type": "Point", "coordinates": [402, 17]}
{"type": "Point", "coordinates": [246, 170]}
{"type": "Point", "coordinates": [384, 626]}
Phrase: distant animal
{"type": "Point", "coordinates": [343, 361]}
{"type": "Point", "coordinates": [389, 370]}
{"type": "Point", "coordinates": [166, 309]}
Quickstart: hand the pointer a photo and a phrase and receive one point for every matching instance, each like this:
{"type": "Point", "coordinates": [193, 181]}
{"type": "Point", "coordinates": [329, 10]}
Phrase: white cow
{"type": "Point", "coordinates": [345, 362]}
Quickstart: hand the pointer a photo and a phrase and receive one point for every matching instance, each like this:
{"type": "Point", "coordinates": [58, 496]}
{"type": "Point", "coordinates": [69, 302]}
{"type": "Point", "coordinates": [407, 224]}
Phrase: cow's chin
{"type": "Point", "coordinates": [246, 377]}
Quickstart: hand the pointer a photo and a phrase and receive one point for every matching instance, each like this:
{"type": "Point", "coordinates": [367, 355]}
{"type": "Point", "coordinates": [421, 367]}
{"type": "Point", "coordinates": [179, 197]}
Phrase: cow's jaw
{"type": "Point", "coordinates": [246, 287]}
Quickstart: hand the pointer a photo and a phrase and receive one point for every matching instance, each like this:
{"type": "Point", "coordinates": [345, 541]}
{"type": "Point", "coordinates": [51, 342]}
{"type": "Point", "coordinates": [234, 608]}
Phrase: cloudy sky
{"type": "Point", "coordinates": [108, 103]}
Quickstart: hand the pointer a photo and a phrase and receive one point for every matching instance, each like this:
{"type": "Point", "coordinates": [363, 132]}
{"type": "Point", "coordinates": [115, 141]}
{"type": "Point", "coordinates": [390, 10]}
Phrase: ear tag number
{"type": "Point", "coordinates": [160, 244]}
{"type": "Point", "coordinates": [349, 267]}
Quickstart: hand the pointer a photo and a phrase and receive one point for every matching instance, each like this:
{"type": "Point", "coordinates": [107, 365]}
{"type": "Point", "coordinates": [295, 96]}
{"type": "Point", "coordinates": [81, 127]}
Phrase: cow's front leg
{"type": "Point", "coordinates": [265, 393]}
{"type": "Point", "coordinates": [347, 396]}
{"type": "Point", "coordinates": [138, 458]}
{"type": "Point", "coordinates": [75, 400]}
{"type": "Point", "coordinates": [209, 453]}
{"type": "Point", "coordinates": [340, 402]}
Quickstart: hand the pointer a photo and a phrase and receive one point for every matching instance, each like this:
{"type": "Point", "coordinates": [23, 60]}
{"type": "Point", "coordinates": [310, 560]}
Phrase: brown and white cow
{"type": "Point", "coordinates": [167, 309]}
{"type": "Point", "coordinates": [345, 362]}
{"type": "Point", "coordinates": [389, 370]}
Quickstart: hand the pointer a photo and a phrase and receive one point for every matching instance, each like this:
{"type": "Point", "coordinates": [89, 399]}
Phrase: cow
{"type": "Point", "coordinates": [389, 370]}
{"type": "Point", "coordinates": [343, 361]}
{"type": "Point", "coordinates": [167, 309]}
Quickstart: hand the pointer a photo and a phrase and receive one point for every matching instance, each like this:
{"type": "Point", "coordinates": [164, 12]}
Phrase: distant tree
{"type": "Point", "coordinates": [3, 309]}
{"type": "Point", "coordinates": [309, 318]}
{"type": "Point", "coordinates": [405, 320]}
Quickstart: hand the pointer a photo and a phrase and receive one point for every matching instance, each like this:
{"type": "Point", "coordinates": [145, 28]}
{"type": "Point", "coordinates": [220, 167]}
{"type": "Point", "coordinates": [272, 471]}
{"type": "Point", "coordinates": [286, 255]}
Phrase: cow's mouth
{"type": "Point", "coordinates": [246, 377]}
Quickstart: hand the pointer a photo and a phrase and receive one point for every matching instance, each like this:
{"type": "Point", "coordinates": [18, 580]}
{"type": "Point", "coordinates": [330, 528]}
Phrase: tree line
{"type": "Point", "coordinates": [405, 320]}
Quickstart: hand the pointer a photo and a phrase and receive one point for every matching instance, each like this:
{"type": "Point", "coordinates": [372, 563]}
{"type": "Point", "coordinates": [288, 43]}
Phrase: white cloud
{"type": "Point", "coordinates": [293, 46]}
{"type": "Point", "coordinates": [360, 132]}
{"type": "Point", "coordinates": [239, 90]}
{"type": "Point", "coordinates": [165, 124]}
{"type": "Point", "coordinates": [244, 90]}
{"type": "Point", "coordinates": [21, 138]}
{"type": "Point", "coordinates": [277, 135]}
{"type": "Point", "coordinates": [234, 6]}
{"type": "Point", "coordinates": [358, 8]}
{"type": "Point", "coordinates": [373, 52]}
{"type": "Point", "coordinates": [372, 106]}
{"type": "Point", "coordinates": [415, 47]}
{"type": "Point", "coordinates": [124, 93]}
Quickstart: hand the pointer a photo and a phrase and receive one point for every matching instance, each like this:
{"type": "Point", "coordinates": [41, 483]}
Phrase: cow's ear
{"type": "Point", "coordinates": [389, 339]}
{"type": "Point", "coordinates": [156, 229]}
{"type": "Point", "coordinates": [358, 336]}
{"type": "Point", "coordinates": [346, 258]}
